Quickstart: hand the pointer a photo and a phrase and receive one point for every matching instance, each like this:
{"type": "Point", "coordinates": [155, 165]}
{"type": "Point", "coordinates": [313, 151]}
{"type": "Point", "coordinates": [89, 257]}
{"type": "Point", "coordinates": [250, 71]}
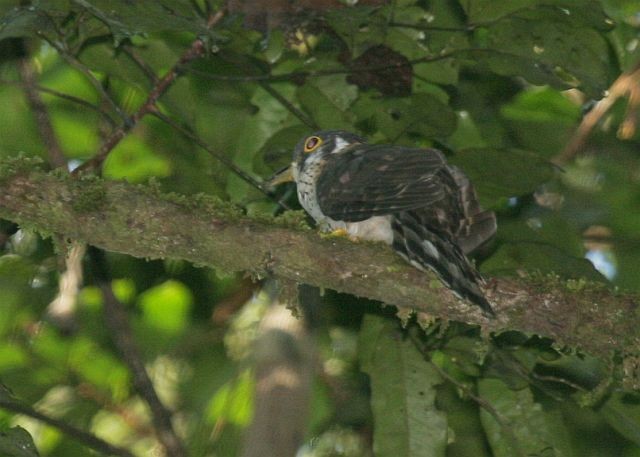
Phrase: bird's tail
{"type": "Point", "coordinates": [426, 249]}
{"type": "Point", "coordinates": [477, 226]}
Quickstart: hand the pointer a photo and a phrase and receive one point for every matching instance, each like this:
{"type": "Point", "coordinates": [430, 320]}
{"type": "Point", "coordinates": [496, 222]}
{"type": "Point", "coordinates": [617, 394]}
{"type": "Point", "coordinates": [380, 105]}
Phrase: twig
{"type": "Point", "coordinates": [196, 139]}
{"type": "Point", "coordinates": [64, 96]}
{"type": "Point", "coordinates": [149, 106]}
{"type": "Point", "coordinates": [628, 83]}
{"type": "Point", "coordinates": [82, 68]}
{"type": "Point", "coordinates": [558, 380]}
{"type": "Point", "coordinates": [335, 71]}
{"type": "Point", "coordinates": [133, 420]}
{"type": "Point", "coordinates": [144, 67]}
{"type": "Point", "coordinates": [220, 157]}
{"type": "Point", "coordinates": [86, 438]}
{"type": "Point", "coordinates": [39, 109]}
{"type": "Point", "coordinates": [116, 319]}
{"type": "Point", "coordinates": [308, 121]}
{"type": "Point", "coordinates": [63, 306]}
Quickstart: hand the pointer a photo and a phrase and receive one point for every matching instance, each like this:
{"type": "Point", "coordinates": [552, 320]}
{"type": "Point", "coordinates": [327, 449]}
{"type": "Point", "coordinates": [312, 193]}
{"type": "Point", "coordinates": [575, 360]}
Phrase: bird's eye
{"type": "Point", "coordinates": [312, 143]}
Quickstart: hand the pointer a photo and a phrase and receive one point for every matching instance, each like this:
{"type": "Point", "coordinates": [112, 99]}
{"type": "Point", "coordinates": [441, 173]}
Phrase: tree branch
{"type": "Point", "coordinates": [81, 436]}
{"type": "Point", "coordinates": [39, 109]}
{"type": "Point", "coordinates": [142, 222]}
{"type": "Point", "coordinates": [122, 334]}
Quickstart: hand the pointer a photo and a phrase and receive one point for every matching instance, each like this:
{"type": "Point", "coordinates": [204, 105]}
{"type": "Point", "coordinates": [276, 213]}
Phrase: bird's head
{"type": "Point", "coordinates": [323, 143]}
{"type": "Point", "coordinates": [317, 145]}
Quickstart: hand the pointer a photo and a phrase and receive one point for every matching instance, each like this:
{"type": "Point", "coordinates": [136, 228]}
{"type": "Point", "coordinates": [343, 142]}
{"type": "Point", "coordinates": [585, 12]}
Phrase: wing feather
{"type": "Point", "coordinates": [374, 180]}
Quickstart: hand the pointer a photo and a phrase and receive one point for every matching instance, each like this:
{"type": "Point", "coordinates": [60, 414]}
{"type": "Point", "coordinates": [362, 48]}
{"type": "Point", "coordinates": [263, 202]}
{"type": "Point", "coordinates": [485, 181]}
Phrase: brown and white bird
{"type": "Point", "coordinates": [409, 198]}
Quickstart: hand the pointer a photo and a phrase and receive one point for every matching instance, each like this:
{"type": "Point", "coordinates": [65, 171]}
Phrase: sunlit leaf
{"type": "Point", "coordinates": [233, 402]}
{"type": "Point", "coordinates": [167, 306]}
{"type": "Point", "coordinates": [135, 161]}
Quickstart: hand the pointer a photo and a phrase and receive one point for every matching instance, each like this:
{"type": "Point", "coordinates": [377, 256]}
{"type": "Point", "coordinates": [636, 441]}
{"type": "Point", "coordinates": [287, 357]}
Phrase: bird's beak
{"type": "Point", "coordinates": [282, 176]}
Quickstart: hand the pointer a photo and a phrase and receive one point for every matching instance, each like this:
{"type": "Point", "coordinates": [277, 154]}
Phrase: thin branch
{"type": "Point", "coordinates": [39, 109]}
{"type": "Point", "coordinates": [83, 437]}
{"type": "Point", "coordinates": [308, 121]}
{"type": "Point", "coordinates": [196, 139]}
{"type": "Point", "coordinates": [298, 75]}
{"type": "Point", "coordinates": [132, 419]}
{"type": "Point", "coordinates": [195, 51]}
{"type": "Point", "coordinates": [120, 330]}
{"type": "Point", "coordinates": [627, 84]}
{"type": "Point", "coordinates": [558, 380]}
{"type": "Point", "coordinates": [144, 67]}
{"type": "Point", "coordinates": [82, 68]}
{"type": "Point", "coordinates": [62, 95]}
{"type": "Point", "coordinates": [216, 155]}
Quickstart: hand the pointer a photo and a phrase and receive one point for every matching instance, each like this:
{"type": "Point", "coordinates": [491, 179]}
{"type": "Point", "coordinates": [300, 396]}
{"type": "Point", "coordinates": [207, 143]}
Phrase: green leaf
{"type": "Point", "coordinates": [16, 442]}
{"type": "Point", "coordinates": [466, 353]}
{"type": "Point", "coordinates": [277, 151]}
{"type": "Point", "coordinates": [532, 256]}
{"type": "Point", "coordinates": [500, 173]}
{"type": "Point", "coordinates": [406, 420]}
{"type": "Point", "coordinates": [422, 114]}
{"type": "Point", "coordinates": [12, 356]}
{"type": "Point", "coordinates": [25, 22]}
{"type": "Point", "coordinates": [581, 12]}
{"type": "Point", "coordinates": [233, 402]}
{"type": "Point", "coordinates": [167, 307]}
{"type": "Point", "coordinates": [542, 120]}
{"type": "Point", "coordinates": [623, 414]}
{"type": "Point", "coordinates": [548, 46]}
{"type": "Point", "coordinates": [126, 19]}
{"type": "Point", "coordinates": [105, 370]}
{"type": "Point", "coordinates": [524, 430]}
{"type": "Point", "coordinates": [358, 27]}
{"type": "Point", "coordinates": [324, 111]}
{"type": "Point", "coordinates": [135, 161]}
{"type": "Point", "coordinates": [543, 242]}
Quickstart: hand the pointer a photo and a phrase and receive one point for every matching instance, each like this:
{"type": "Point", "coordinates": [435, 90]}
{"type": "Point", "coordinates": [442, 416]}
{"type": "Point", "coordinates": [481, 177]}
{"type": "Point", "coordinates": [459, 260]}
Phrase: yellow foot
{"type": "Point", "coordinates": [335, 233]}
{"type": "Point", "coordinates": [339, 233]}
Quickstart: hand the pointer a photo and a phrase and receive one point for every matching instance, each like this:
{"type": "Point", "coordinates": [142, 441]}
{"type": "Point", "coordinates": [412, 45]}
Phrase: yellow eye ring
{"type": "Point", "coordinates": [312, 143]}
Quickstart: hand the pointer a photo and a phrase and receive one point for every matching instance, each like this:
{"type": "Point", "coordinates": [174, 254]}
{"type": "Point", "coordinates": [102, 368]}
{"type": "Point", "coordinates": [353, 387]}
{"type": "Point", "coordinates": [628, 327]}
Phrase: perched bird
{"type": "Point", "coordinates": [409, 198]}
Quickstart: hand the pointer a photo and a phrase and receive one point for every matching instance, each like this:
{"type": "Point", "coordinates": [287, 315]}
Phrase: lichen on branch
{"type": "Point", "coordinates": [144, 222]}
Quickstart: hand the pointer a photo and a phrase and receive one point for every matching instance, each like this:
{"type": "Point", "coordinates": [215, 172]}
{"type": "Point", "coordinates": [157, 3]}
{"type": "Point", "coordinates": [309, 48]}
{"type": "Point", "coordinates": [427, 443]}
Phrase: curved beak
{"type": "Point", "coordinates": [280, 177]}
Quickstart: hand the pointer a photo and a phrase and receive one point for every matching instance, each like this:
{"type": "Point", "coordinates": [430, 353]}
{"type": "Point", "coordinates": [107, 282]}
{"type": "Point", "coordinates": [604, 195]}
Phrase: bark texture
{"type": "Point", "coordinates": [143, 222]}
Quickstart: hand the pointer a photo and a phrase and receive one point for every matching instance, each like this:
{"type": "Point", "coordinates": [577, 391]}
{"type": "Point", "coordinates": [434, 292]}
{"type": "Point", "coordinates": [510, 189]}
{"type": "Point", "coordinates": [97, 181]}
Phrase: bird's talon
{"type": "Point", "coordinates": [336, 233]}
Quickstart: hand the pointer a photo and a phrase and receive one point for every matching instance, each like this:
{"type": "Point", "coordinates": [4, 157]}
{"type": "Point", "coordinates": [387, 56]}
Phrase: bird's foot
{"type": "Point", "coordinates": [337, 233]}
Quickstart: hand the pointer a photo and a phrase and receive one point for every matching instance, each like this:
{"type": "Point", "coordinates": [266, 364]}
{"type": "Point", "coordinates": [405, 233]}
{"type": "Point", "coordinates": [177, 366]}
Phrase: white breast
{"type": "Point", "coordinates": [377, 228]}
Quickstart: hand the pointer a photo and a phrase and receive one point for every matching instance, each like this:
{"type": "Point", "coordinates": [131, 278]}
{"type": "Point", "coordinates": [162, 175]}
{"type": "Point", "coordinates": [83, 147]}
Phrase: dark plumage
{"type": "Point", "coordinates": [408, 197]}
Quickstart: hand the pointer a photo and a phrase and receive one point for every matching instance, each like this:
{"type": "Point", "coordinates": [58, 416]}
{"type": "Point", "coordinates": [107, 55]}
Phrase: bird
{"type": "Point", "coordinates": [409, 198]}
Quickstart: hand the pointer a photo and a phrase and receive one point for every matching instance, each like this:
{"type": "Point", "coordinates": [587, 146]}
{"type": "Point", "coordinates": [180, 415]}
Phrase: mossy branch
{"type": "Point", "coordinates": [143, 222]}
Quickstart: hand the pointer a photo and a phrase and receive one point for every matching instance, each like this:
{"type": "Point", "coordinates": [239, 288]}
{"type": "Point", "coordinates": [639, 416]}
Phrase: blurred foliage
{"type": "Point", "coordinates": [499, 86]}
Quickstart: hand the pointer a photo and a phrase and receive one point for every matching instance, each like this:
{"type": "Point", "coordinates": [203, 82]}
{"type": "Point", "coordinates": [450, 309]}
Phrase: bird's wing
{"type": "Point", "coordinates": [366, 181]}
